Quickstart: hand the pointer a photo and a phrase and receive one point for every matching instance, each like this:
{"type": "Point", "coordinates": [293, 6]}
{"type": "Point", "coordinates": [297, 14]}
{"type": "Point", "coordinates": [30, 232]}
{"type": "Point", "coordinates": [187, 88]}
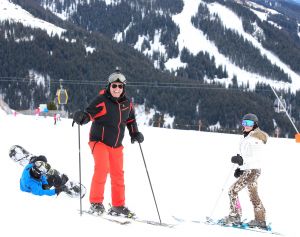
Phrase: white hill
{"type": "Point", "coordinates": [188, 170]}
{"type": "Point", "coordinates": [14, 13]}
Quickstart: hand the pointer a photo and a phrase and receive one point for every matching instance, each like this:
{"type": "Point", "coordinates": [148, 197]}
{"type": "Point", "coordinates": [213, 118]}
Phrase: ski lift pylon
{"type": "Point", "coordinates": [62, 94]}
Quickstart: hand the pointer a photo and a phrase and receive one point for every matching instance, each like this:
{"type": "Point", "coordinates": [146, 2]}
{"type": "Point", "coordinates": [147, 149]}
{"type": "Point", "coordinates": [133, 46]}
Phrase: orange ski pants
{"type": "Point", "coordinates": [107, 160]}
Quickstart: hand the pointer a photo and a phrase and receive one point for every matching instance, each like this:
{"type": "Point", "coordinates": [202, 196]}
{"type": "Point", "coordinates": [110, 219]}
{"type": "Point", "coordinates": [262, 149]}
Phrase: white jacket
{"type": "Point", "coordinates": [252, 149]}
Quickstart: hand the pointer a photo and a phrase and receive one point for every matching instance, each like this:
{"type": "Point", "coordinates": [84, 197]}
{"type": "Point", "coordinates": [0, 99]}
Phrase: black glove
{"type": "Point", "coordinates": [238, 172]}
{"type": "Point", "coordinates": [237, 159]}
{"type": "Point", "coordinates": [80, 118]}
{"type": "Point", "coordinates": [60, 189]}
{"type": "Point", "coordinates": [54, 180]}
{"type": "Point", "coordinates": [137, 136]}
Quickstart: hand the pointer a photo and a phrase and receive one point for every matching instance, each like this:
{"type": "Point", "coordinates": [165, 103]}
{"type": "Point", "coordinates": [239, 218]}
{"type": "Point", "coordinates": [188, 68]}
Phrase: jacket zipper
{"type": "Point", "coordinates": [118, 125]}
{"type": "Point", "coordinates": [102, 134]}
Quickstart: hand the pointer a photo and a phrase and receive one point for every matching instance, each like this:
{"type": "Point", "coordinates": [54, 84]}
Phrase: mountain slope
{"type": "Point", "coordinates": [210, 89]}
{"type": "Point", "coordinates": [138, 29]}
{"type": "Point", "coordinates": [14, 13]}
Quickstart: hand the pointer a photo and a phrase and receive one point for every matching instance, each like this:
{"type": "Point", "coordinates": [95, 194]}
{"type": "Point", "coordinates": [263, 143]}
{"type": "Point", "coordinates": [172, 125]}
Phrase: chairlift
{"type": "Point", "coordinates": [62, 95]}
{"type": "Point", "coordinates": [280, 105]}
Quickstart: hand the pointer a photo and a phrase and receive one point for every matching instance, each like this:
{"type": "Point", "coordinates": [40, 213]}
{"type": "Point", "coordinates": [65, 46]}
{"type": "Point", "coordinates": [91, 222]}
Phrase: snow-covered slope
{"type": "Point", "coordinates": [14, 13]}
{"type": "Point", "coordinates": [188, 171]}
{"type": "Point", "coordinates": [198, 42]}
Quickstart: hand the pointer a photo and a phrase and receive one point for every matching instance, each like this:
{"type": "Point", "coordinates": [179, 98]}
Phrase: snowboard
{"type": "Point", "coordinates": [21, 156]}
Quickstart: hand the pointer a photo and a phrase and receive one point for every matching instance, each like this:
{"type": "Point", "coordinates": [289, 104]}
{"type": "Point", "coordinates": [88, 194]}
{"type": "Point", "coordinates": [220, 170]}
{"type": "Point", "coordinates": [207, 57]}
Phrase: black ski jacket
{"type": "Point", "coordinates": [110, 116]}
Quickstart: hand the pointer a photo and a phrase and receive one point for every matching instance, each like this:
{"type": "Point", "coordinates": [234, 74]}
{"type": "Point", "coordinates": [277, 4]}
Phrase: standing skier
{"type": "Point", "coordinates": [34, 179]}
{"type": "Point", "coordinates": [109, 112]}
{"type": "Point", "coordinates": [249, 161]}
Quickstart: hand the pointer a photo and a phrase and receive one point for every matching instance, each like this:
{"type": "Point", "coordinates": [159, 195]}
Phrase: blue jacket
{"type": "Point", "coordinates": [32, 185]}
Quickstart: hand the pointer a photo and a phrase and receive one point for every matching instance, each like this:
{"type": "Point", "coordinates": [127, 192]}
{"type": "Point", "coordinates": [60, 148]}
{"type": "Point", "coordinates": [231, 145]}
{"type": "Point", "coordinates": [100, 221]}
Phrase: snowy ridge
{"type": "Point", "coordinates": [14, 13]}
{"type": "Point", "coordinates": [198, 42]}
{"type": "Point", "coordinates": [65, 14]}
{"type": "Point", "coordinates": [232, 21]}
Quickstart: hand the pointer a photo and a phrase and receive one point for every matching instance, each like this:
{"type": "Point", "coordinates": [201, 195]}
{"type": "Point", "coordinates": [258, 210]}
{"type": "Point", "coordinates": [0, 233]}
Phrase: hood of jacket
{"type": "Point", "coordinates": [259, 134]}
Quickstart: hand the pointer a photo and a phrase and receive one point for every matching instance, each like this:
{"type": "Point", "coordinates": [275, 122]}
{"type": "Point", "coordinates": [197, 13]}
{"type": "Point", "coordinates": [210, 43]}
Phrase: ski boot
{"type": "Point", "coordinates": [258, 224]}
{"type": "Point", "coordinates": [97, 208]}
{"type": "Point", "coordinates": [231, 220]}
{"type": "Point", "coordinates": [121, 211]}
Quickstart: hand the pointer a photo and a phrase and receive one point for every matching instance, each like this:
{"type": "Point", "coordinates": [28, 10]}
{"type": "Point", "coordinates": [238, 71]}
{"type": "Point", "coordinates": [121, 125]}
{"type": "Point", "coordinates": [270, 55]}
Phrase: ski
{"type": "Point", "coordinates": [124, 220]}
{"type": "Point", "coordinates": [107, 217]}
{"type": "Point", "coordinates": [144, 221]}
{"type": "Point", "coordinates": [242, 226]}
{"type": "Point", "coordinates": [155, 223]}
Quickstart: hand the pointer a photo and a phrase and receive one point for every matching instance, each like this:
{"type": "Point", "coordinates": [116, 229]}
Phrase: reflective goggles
{"type": "Point", "coordinates": [42, 166]}
{"type": "Point", "coordinates": [115, 86]}
{"type": "Point", "coordinates": [248, 123]}
{"type": "Point", "coordinates": [117, 77]}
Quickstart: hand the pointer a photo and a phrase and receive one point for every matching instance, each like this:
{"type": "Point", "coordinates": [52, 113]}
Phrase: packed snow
{"type": "Point", "coordinates": [189, 171]}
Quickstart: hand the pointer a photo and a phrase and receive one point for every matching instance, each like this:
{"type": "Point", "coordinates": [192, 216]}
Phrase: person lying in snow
{"type": "Point", "coordinates": [36, 178]}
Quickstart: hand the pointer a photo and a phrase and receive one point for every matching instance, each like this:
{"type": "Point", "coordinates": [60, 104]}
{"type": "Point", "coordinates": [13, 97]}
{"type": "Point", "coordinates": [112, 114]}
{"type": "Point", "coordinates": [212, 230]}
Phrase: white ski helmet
{"type": "Point", "coordinates": [117, 76]}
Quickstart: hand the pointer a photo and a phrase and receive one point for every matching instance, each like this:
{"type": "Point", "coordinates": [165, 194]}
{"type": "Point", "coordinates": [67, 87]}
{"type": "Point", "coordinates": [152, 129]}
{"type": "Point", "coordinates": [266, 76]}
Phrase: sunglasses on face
{"type": "Point", "coordinates": [115, 86]}
{"type": "Point", "coordinates": [248, 123]}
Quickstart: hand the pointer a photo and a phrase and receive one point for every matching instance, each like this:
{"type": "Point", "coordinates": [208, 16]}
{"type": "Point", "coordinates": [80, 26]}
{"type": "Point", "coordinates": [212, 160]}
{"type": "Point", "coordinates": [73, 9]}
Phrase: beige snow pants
{"type": "Point", "coordinates": [247, 179]}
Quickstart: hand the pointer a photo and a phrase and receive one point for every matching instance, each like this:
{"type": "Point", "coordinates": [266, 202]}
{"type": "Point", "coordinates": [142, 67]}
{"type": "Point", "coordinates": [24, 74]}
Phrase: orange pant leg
{"type": "Point", "coordinates": [101, 169]}
{"type": "Point", "coordinates": [117, 176]}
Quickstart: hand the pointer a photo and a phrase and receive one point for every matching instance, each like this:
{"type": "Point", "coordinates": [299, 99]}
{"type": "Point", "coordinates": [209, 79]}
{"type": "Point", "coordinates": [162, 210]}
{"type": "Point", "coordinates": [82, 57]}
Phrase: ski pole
{"type": "Point", "coordinates": [150, 183]}
{"type": "Point", "coordinates": [79, 169]}
{"type": "Point", "coordinates": [217, 201]}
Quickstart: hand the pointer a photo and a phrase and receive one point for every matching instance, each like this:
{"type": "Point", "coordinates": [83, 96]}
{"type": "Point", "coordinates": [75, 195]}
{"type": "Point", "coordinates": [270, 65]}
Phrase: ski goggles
{"type": "Point", "coordinates": [117, 77]}
{"type": "Point", "coordinates": [42, 166]}
{"type": "Point", "coordinates": [115, 86]}
{"type": "Point", "coordinates": [248, 123]}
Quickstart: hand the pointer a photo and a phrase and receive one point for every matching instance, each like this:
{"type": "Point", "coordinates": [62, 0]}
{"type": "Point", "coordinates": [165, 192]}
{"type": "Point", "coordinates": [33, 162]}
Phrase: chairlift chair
{"type": "Point", "coordinates": [280, 107]}
{"type": "Point", "coordinates": [62, 95]}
